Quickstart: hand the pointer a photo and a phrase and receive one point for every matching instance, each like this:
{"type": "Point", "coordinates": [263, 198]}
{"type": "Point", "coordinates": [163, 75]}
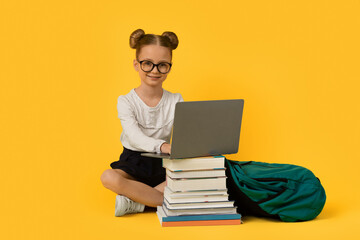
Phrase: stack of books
{"type": "Point", "coordinates": [196, 193]}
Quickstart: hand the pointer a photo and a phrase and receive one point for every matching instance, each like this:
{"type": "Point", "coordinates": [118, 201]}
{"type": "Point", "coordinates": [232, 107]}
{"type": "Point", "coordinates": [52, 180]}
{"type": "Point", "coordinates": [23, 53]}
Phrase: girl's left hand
{"type": "Point", "coordinates": [165, 148]}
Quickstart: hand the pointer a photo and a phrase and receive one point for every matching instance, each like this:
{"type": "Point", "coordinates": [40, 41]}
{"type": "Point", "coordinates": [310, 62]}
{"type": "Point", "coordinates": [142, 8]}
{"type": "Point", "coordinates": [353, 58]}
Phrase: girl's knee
{"type": "Point", "coordinates": [110, 177]}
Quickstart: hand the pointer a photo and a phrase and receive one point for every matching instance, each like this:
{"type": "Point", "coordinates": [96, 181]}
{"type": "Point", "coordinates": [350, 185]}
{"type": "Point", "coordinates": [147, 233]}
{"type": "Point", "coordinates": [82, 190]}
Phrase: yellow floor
{"type": "Point", "coordinates": [91, 216]}
{"type": "Point", "coordinates": [65, 200]}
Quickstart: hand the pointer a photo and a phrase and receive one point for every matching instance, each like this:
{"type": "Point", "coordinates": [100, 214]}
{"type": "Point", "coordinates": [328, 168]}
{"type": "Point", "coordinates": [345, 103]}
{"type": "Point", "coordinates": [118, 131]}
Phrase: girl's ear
{"type": "Point", "coordinates": [136, 65]}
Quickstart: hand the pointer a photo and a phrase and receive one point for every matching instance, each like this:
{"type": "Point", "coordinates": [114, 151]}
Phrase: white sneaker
{"type": "Point", "coordinates": [124, 205]}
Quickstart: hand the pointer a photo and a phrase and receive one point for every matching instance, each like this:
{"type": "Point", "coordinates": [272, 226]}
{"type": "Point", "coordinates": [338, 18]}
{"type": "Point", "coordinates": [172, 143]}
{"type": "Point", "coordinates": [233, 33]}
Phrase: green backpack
{"type": "Point", "coordinates": [287, 192]}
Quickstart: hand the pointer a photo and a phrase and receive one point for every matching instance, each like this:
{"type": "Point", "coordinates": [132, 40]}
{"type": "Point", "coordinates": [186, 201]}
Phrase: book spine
{"type": "Point", "coordinates": [196, 200]}
{"type": "Point", "coordinates": [196, 184]}
{"type": "Point", "coordinates": [174, 206]}
{"type": "Point", "coordinates": [201, 217]}
{"type": "Point", "coordinates": [202, 170]}
{"type": "Point", "coordinates": [201, 223]}
{"type": "Point", "coordinates": [194, 164]}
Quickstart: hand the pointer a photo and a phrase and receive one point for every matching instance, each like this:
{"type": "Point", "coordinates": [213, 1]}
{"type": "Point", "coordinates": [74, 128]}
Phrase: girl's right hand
{"type": "Point", "coordinates": [165, 148]}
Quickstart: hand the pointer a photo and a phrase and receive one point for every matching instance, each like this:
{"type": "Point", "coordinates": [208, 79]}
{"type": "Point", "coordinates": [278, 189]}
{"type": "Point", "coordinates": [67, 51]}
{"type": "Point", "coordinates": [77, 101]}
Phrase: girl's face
{"type": "Point", "coordinates": [156, 54]}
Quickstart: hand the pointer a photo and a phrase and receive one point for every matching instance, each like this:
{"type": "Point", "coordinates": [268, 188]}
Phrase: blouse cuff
{"type": "Point", "coordinates": [159, 146]}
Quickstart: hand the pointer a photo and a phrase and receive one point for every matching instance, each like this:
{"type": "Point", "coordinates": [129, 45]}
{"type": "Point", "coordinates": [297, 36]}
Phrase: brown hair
{"type": "Point", "coordinates": [138, 39]}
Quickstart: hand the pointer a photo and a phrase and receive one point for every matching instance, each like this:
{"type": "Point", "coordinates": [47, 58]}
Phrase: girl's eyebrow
{"type": "Point", "coordinates": [153, 61]}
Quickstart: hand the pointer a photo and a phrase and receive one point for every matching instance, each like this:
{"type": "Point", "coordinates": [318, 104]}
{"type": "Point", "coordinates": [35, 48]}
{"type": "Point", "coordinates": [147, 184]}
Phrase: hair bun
{"type": "Point", "coordinates": [135, 37]}
{"type": "Point", "coordinates": [174, 41]}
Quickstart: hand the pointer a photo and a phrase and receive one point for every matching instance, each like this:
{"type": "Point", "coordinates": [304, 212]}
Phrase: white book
{"type": "Point", "coordinates": [189, 184]}
{"type": "Point", "coordinates": [201, 163]}
{"type": "Point", "coordinates": [175, 194]}
{"type": "Point", "coordinates": [194, 199]}
{"type": "Point", "coordinates": [196, 173]}
{"type": "Point", "coordinates": [198, 205]}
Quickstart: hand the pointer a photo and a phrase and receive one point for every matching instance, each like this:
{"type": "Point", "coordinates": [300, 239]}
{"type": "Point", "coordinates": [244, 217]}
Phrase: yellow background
{"type": "Point", "coordinates": [64, 63]}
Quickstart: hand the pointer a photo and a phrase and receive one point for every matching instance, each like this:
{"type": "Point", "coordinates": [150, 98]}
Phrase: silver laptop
{"type": "Point", "coordinates": [205, 128]}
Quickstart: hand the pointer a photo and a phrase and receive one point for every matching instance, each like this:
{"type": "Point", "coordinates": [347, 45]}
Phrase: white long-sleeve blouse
{"type": "Point", "coordinates": [146, 128]}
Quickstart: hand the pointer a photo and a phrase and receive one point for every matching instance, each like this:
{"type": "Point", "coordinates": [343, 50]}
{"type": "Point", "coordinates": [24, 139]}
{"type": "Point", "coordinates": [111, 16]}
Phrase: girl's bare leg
{"type": "Point", "coordinates": [161, 187]}
{"type": "Point", "coordinates": [122, 183]}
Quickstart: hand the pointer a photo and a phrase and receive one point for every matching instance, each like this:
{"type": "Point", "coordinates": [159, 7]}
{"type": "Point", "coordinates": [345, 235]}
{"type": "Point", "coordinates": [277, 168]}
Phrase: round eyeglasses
{"type": "Point", "coordinates": [148, 66]}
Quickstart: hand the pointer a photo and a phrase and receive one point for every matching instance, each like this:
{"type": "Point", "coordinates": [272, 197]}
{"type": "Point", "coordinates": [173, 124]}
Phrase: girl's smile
{"type": "Point", "coordinates": [154, 77]}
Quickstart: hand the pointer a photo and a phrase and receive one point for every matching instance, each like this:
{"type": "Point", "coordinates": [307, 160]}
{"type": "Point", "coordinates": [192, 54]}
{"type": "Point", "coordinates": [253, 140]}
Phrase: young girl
{"type": "Point", "coordinates": [146, 114]}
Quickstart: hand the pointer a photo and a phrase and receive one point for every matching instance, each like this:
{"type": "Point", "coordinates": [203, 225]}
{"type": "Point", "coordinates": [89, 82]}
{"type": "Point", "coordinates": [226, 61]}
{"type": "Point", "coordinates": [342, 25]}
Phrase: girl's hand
{"type": "Point", "coordinates": [165, 148]}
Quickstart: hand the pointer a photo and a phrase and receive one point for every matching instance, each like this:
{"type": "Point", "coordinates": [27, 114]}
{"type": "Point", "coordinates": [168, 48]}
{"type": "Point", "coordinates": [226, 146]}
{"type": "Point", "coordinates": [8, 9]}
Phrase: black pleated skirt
{"type": "Point", "coordinates": [144, 169]}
